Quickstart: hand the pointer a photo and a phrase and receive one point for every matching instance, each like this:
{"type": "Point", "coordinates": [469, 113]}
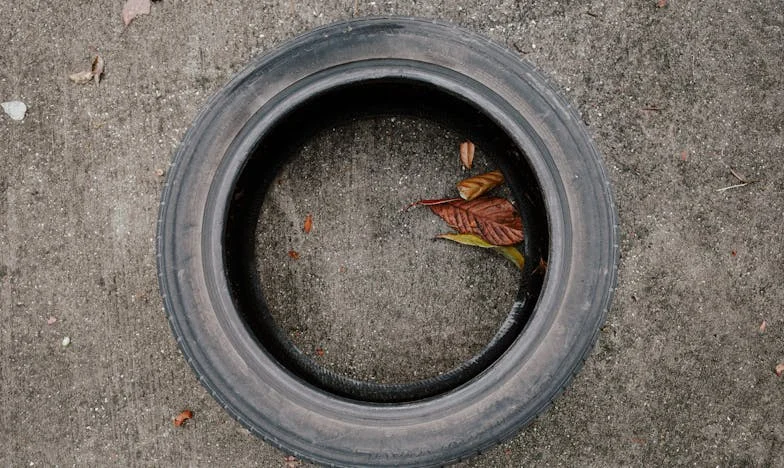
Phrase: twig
{"type": "Point", "coordinates": [733, 186]}
{"type": "Point", "coordinates": [740, 177]}
{"type": "Point", "coordinates": [591, 14]}
{"type": "Point", "coordinates": [651, 109]}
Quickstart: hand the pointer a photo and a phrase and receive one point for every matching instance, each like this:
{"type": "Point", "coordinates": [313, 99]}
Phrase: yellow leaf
{"type": "Point", "coordinates": [474, 186]}
{"type": "Point", "coordinates": [467, 239]}
{"type": "Point", "coordinates": [511, 253]}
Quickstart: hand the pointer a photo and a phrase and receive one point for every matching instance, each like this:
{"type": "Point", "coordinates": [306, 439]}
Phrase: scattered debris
{"type": "Point", "coordinates": [291, 461]}
{"type": "Point", "coordinates": [308, 223]}
{"type": "Point", "coordinates": [763, 326]}
{"type": "Point", "coordinates": [684, 155]}
{"type": "Point", "coordinates": [15, 109]}
{"type": "Point", "coordinates": [541, 268]}
{"type": "Point", "coordinates": [82, 77]}
{"type": "Point", "coordinates": [97, 68]}
{"type": "Point", "coordinates": [474, 186]}
{"type": "Point", "coordinates": [780, 369]}
{"type": "Point", "coordinates": [134, 8]}
{"type": "Point", "coordinates": [743, 181]}
{"type": "Point", "coordinates": [66, 342]}
{"type": "Point", "coordinates": [467, 154]}
{"type": "Point", "coordinates": [294, 254]}
{"type": "Point", "coordinates": [180, 419]}
{"type": "Point", "coordinates": [93, 74]}
{"type": "Point", "coordinates": [319, 352]}
{"type": "Point", "coordinates": [662, 3]}
{"type": "Point", "coordinates": [51, 320]}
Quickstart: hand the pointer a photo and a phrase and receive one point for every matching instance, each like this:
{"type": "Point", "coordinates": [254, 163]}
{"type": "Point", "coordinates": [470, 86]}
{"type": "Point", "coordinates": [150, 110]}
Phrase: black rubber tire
{"type": "Point", "coordinates": [317, 424]}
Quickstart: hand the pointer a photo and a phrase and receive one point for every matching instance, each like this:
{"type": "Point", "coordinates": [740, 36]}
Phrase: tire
{"type": "Point", "coordinates": [260, 380]}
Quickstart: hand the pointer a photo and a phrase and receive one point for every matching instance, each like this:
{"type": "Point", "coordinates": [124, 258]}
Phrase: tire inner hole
{"type": "Point", "coordinates": [368, 293]}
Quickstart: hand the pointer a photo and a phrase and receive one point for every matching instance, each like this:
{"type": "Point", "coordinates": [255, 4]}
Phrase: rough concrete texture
{"type": "Point", "coordinates": [675, 96]}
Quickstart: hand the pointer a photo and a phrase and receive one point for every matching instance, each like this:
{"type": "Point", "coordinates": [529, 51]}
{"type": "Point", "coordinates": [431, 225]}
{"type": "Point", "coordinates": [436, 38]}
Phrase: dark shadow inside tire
{"type": "Point", "coordinates": [404, 98]}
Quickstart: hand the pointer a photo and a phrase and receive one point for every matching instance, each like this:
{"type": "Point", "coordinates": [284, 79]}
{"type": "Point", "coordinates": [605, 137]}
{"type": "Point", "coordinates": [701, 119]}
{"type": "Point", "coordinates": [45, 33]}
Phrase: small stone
{"type": "Point", "coordinates": [15, 109]}
{"type": "Point", "coordinates": [66, 342]}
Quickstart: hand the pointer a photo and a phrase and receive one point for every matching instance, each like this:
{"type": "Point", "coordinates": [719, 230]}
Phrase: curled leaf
{"type": "Point", "coordinates": [82, 77]}
{"type": "Point", "coordinates": [511, 253]}
{"type": "Point", "coordinates": [467, 154]}
{"type": "Point", "coordinates": [180, 419]}
{"type": "Point", "coordinates": [134, 8]}
{"type": "Point", "coordinates": [474, 186]}
{"type": "Point", "coordinates": [97, 68]}
{"type": "Point", "coordinates": [308, 223]}
{"type": "Point", "coordinates": [493, 218]}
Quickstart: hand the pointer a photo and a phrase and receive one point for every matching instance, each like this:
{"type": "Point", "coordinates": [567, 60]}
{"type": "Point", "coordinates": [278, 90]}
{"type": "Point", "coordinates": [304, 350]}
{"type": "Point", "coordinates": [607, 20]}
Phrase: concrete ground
{"type": "Point", "coordinates": [675, 95]}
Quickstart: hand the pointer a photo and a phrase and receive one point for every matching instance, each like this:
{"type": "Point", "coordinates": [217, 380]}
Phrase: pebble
{"type": "Point", "coordinates": [66, 341]}
{"type": "Point", "coordinates": [15, 109]}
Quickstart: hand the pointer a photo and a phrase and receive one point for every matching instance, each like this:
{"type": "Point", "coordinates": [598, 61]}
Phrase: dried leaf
{"type": "Point", "coordinates": [97, 68]}
{"type": "Point", "coordinates": [82, 77]}
{"type": "Point", "coordinates": [780, 369]}
{"type": "Point", "coordinates": [134, 8]}
{"type": "Point", "coordinates": [308, 223]}
{"type": "Point", "coordinates": [51, 320]}
{"type": "Point", "coordinates": [661, 3]}
{"type": "Point", "coordinates": [467, 239]}
{"type": "Point", "coordinates": [493, 218]}
{"type": "Point", "coordinates": [763, 326]}
{"type": "Point", "coordinates": [319, 352]}
{"type": "Point", "coordinates": [294, 254]}
{"type": "Point", "coordinates": [435, 201]}
{"type": "Point", "coordinates": [511, 253]}
{"type": "Point", "coordinates": [467, 154]}
{"type": "Point", "coordinates": [180, 419]}
{"type": "Point", "coordinates": [541, 268]}
{"type": "Point", "coordinates": [291, 461]}
{"type": "Point", "coordinates": [474, 186]}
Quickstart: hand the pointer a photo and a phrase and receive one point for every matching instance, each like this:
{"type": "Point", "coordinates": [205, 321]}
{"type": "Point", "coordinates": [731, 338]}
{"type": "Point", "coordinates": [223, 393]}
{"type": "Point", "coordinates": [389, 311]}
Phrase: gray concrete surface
{"type": "Point", "coordinates": [674, 96]}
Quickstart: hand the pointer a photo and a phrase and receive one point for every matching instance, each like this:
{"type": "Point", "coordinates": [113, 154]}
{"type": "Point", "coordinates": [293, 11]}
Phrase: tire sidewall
{"type": "Point", "coordinates": [309, 422]}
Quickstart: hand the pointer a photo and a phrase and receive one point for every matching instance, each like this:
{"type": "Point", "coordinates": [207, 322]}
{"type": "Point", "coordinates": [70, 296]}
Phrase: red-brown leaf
{"type": "Point", "coordinates": [308, 223]}
{"type": "Point", "coordinates": [294, 254]}
{"type": "Point", "coordinates": [182, 417]}
{"type": "Point", "coordinates": [493, 218]}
